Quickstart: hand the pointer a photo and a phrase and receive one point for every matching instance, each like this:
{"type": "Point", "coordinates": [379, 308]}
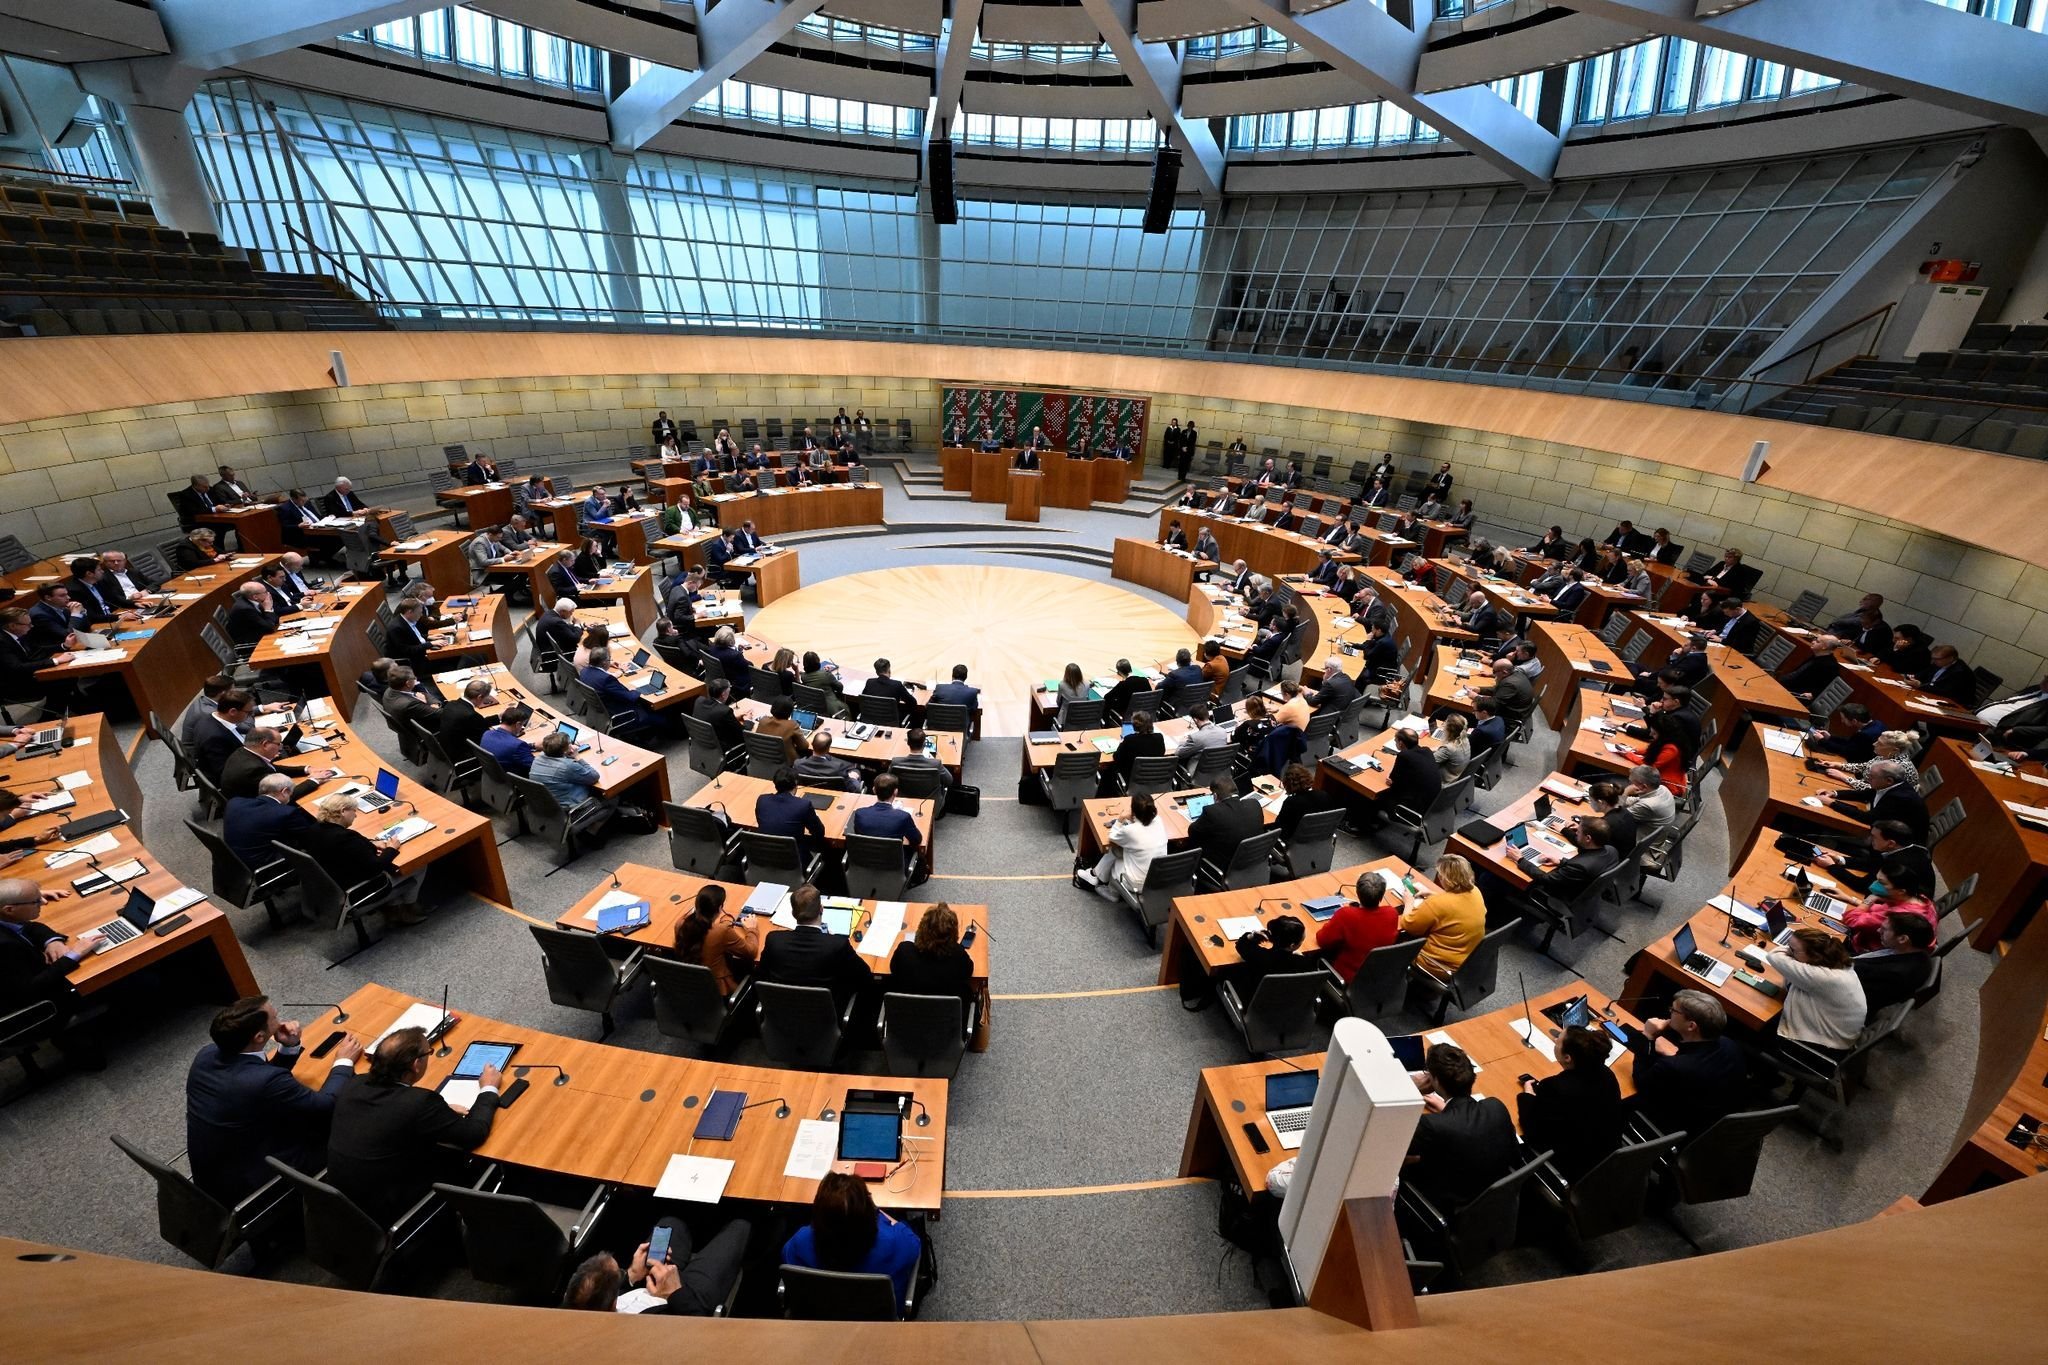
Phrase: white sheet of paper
{"type": "Point", "coordinates": [1239, 925]}
{"type": "Point", "coordinates": [461, 1094]}
{"type": "Point", "coordinates": [815, 1148]}
{"type": "Point", "coordinates": [1538, 1038]}
{"type": "Point", "coordinates": [1781, 741]}
{"type": "Point", "coordinates": [71, 782]}
{"type": "Point", "coordinates": [637, 1301]}
{"type": "Point", "coordinates": [1741, 912]}
{"type": "Point", "coordinates": [695, 1179]}
{"type": "Point", "coordinates": [878, 939]}
{"type": "Point", "coordinates": [421, 1016]}
{"type": "Point", "coordinates": [608, 900]}
{"type": "Point", "coordinates": [1439, 1036]}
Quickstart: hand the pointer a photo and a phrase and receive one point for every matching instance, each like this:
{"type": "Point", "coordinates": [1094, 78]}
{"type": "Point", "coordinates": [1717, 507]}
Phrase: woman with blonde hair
{"type": "Point", "coordinates": [1452, 918]}
{"type": "Point", "coordinates": [1454, 750]}
{"type": "Point", "coordinates": [1824, 1003]}
{"type": "Point", "coordinates": [1898, 746]}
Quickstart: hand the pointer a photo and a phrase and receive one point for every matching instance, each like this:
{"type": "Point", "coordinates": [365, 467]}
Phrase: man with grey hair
{"type": "Point", "coordinates": [342, 502]}
{"type": "Point", "coordinates": [1688, 1074]}
{"type": "Point", "coordinates": [1648, 800]}
{"type": "Point", "coordinates": [1891, 796]}
{"type": "Point", "coordinates": [516, 535]}
{"type": "Point", "coordinates": [252, 616]}
{"type": "Point", "coordinates": [253, 822]}
{"type": "Point", "coordinates": [555, 633]}
{"type": "Point", "coordinates": [35, 960]}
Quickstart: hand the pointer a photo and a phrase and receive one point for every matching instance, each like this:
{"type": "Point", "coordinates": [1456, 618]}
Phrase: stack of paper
{"type": "Point", "coordinates": [695, 1179]}
{"type": "Point", "coordinates": [883, 929]}
{"type": "Point", "coordinates": [1237, 926]}
{"type": "Point", "coordinates": [1782, 741]}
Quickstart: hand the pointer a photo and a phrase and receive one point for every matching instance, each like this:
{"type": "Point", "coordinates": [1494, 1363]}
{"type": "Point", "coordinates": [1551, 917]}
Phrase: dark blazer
{"type": "Point", "coordinates": [292, 519]}
{"type": "Point", "coordinates": [1338, 690]}
{"type": "Point", "coordinates": [808, 956]}
{"type": "Point", "coordinates": [1691, 1090]}
{"type": "Point", "coordinates": [1954, 682]}
{"type": "Point", "coordinates": [887, 820]}
{"type": "Point", "coordinates": [217, 744]}
{"type": "Point", "coordinates": [1513, 696]}
{"type": "Point", "coordinates": [556, 636]}
{"type": "Point", "coordinates": [342, 850]}
{"type": "Point", "coordinates": [20, 657]}
{"type": "Point", "coordinates": [561, 582]}
{"type": "Point", "coordinates": [1889, 977]}
{"type": "Point", "coordinates": [24, 977]}
{"type": "Point", "coordinates": [913, 971]}
{"type": "Point", "coordinates": [479, 472]}
{"type": "Point", "coordinates": [459, 722]}
{"type": "Point", "coordinates": [407, 643]}
{"type": "Point", "coordinates": [245, 768]}
{"type": "Point", "coordinates": [1460, 1150]}
{"type": "Point", "coordinates": [186, 556]}
{"type": "Point", "coordinates": [1413, 780]}
{"type": "Point", "coordinates": [1225, 825]}
{"type": "Point", "coordinates": [335, 505]}
{"type": "Point", "coordinates": [890, 687]}
{"type": "Point", "coordinates": [99, 604]}
{"type": "Point", "coordinates": [1027, 458]}
{"type": "Point", "coordinates": [1577, 1115]}
{"type": "Point", "coordinates": [731, 734]}
{"type": "Point", "coordinates": [249, 623]}
{"type": "Point", "coordinates": [254, 821]}
{"type": "Point", "coordinates": [619, 699]}
{"type": "Point", "coordinates": [285, 596]}
{"type": "Point", "coordinates": [1572, 876]}
{"type": "Point", "coordinates": [1897, 802]}
{"type": "Point", "coordinates": [1667, 555]}
{"type": "Point", "coordinates": [792, 816]}
{"type": "Point", "coordinates": [384, 1149]}
{"type": "Point", "coordinates": [241, 1108]}
{"type": "Point", "coordinates": [1741, 634]}
{"type": "Point", "coordinates": [192, 504]}
{"type": "Point", "coordinates": [1134, 746]}
{"type": "Point", "coordinates": [1812, 677]}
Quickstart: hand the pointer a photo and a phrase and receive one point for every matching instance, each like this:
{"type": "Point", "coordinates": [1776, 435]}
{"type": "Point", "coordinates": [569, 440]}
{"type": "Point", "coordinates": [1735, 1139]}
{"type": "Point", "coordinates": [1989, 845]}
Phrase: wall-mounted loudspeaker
{"type": "Point", "coordinates": [1165, 181]}
{"type": "Point", "coordinates": [939, 162]}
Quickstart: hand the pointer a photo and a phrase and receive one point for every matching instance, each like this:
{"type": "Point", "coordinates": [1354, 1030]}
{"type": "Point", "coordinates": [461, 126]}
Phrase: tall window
{"type": "Point", "coordinates": [794, 109]}
{"type": "Point", "coordinates": [478, 41]}
{"type": "Point", "coordinates": [1678, 76]}
{"type": "Point", "coordinates": [1373, 124]}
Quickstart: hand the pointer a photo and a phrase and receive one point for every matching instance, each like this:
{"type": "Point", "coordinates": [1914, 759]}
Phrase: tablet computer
{"type": "Point", "coordinates": [479, 1055]}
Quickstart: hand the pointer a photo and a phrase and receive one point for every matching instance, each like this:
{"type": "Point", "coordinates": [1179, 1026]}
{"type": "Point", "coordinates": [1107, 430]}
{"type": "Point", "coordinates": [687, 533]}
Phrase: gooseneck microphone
{"type": "Point", "coordinates": [340, 1014]}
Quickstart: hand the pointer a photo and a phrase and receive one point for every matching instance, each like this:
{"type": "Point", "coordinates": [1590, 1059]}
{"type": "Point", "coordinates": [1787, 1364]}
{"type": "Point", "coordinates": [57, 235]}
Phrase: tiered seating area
{"type": "Point", "coordinates": [1991, 393]}
{"type": "Point", "coordinates": [73, 263]}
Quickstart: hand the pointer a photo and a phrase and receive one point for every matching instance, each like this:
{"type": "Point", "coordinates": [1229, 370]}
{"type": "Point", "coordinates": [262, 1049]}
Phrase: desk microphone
{"type": "Point", "coordinates": [781, 1104]}
{"type": "Point", "coordinates": [340, 1014]}
{"type": "Point", "coordinates": [1528, 1020]}
{"type": "Point", "coordinates": [561, 1076]}
{"type": "Point", "coordinates": [439, 1032]}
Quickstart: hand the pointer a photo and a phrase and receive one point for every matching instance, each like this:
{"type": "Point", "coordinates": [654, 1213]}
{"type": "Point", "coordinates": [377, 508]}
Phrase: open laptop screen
{"type": "Point", "coordinates": [1291, 1089]}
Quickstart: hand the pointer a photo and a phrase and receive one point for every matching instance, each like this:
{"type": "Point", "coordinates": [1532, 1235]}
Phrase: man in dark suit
{"type": "Point", "coordinates": [386, 1146]}
{"type": "Point", "coordinates": [1901, 965]}
{"type": "Point", "coordinates": [714, 708]}
{"type": "Point", "coordinates": [57, 622]}
{"type": "Point", "coordinates": [462, 721]}
{"type": "Point", "coordinates": [294, 515]}
{"type": "Point", "coordinates": [809, 956]}
{"type": "Point", "coordinates": [34, 958]}
{"type": "Point", "coordinates": [562, 580]}
{"type": "Point", "coordinates": [629, 710]}
{"type": "Point", "coordinates": [882, 685]}
{"type": "Point", "coordinates": [884, 819]}
{"type": "Point", "coordinates": [1850, 734]}
{"type": "Point", "coordinates": [1228, 822]}
{"type": "Point", "coordinates": [285, 595]}
{"type": "Point", "coordinates": [21, 655]}
{"type": "Point", "coordinates": [121, 581]}
{"type": "Point", "coordinates": [1439, 486]}
{"type": "Point", "coordinates": [1889, 842]}
{"type": "Point", "coordinates": [783, 812]}
{"type": "Point", "coordinates": [1738, 628]}
{"type": "Point", "coordinates": [1144, 741]}
{"type": "Point", "coordinates": [1116, 703]}
{"type": "Point", "coordinates": [718, 551]}
{"type": "Point", "coordinates": [1950, 678]}
{"type": "Point", "coordinates": [1514, 696]}
{"type": "Point", "coordinates": [1240, 580]}
{"type": "Point", "coordinates": [1688, 1075]}
{"type": "Point", "coordinates": [1595, 858]}
{"type": "Point", "coordinates": [87, 588]}
{"type": "Point", "coordinates": [224, 733]}
{"type": "Point", "coordinates": [554, 633]}
{"type": "Point", "coordinates": [193, 501]}
{"type": "Point", "coordinates": [242, 1102]}
{"type": "Point", "coordinates": [1489, 731]}
{"type": "Point", "coordinates": [342, 502]}
{"type": "Point", "coordinates": [246, 767]}
{"type": "Point", "coordinates": [663, 430]}
{"type": "Point", "coordinates": [1338, 690]}
{"type": "Point", "coordinates": [1890, 797]}
{"type": "Point", "coordinates": [254, 821]}
{"type": "Point", "coordinates": [253, 616]}
{"type": "Point", "coordinates": [957, 692]}
{"type": "Point", "coordinates": [1573, 593]}
{"type": "Point", "coordinates": [1413, 781]}
{"type": "Point", "coordinates": [1464, 1143]}
{"type": "Point", "coordinates": [480, 470]}
{"type": "Point", "coordinates": [1027, 458]}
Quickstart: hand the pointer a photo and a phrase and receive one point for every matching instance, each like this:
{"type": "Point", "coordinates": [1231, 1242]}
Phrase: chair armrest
{"type": "Point", "coordinates": [381, 881]}
{"type": "Point", "coordinates": [629, 966]}
{"type": "Point", "coordinates": [489, 1178]}
{"type": "Point", "coordinates": [1420, 1207]}
{"type": "Point", "coordinates": [593, 1210]}
{"type": "Point", "coordinates": [409, 1223]}
{"type": "Point", "coordinates": [18, 1023]}
{"type": "Point", "coordinates": [262, 1199]}
{"type": "Point", "coordinates": [846, 1015]}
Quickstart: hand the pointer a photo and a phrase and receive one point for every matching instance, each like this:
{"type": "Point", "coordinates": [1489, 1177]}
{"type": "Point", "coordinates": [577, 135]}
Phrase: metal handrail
{"type": "Point", "coordinates": [341, 266]}
{"type": "Point", "coordinates": [47, 173]}
{"type": "Point", "coordinates": [1882, 313]}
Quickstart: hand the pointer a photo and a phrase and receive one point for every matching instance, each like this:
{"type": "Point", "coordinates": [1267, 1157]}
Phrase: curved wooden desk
{"type": "Point", "coordinates": [330, 633]}
{"type": "Point", "coordinates": [779, 511]}
{"type": "Point", "coordinates": [1191, 934]}
{"type": "Point", "coordinates": [736, 794]}
{"type": "Point", "coordinates": [90, 750]}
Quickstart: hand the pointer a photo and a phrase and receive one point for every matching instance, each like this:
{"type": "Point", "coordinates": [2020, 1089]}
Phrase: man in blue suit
{"type": "Point", "coordinates": [717, 551]}
{"type": "Point", "coordinates": [243, 1103]}
{"type": "Point", "coordinates": [617, 698]}
{"type": "Point", "coordinates": [887, 820]}
{"type": "Point", "coordinates": [782, 811]}
{"type": "Point", "coordinates": [957, 692]}
{"type": "Point", "coordinates": [253, 821]}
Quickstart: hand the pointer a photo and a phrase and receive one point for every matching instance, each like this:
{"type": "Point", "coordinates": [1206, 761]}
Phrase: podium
{"type": "Point", "coordinates": [1026, 489]}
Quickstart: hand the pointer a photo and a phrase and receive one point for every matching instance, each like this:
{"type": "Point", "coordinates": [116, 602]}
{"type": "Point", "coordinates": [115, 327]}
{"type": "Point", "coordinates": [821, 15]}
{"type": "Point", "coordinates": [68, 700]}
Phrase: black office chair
{"type": "Point", "coordinates": [1168, 876]}
{"type": "Point", "coordinates": [701, 844]}
{"type": "Point", "coordinates": [1478, 1232]}
{"type": "Point", "coordinates": [879, 710]}
{"type": "Point", "coordinates": [1610, 1197]}
{"type": "Point", "coordinates": [346, 1242]}
{"type": "Point", "coordinates": [195, 1222]}
{"type": "Point", "coordinates": [765, 754]}
{"type": "Point", "coordinates": [493, 784]}
{"type": "Point", "coordinates": [1250, 865]}
{"type": "Point", "coordinates": [1281, 1015]}
{"type": "Point", "coordinates": [1430, 828]}
{"type": "Point", "coordinates": [340, 907]}
{"type": "Point", "coordinates": [839, 1296]}
{"type": "Point", "coordinates": [1836, 1079]}
{"type": "Point", "coordinates": [519, 1242]}
{"type": "Point", "coordinates": [1476, 978]}
{"type": "Point", "coordinates": [777, 858]}
{"type": "Point", "coordinates": [801, 1026]}
{"type": "Point", "coordinates": [581, 974]}
{"type": "Point", "coordinates": [1313, 848]}
{"type": "Point", "coordinates": [568, 832]}
{"type": "Point", "coordinates": [707, 755]}
{"type": "Point", "coordinates": [874, 869]}
{"type": "Point", "coordinates": [1072, 779]}
{"type": "Point", "coordinates": [1381, 985]}
{"type": "Point", "coordinates": [1576, 915]}
{"type": "Point", "coordinates": [235, 882]}
{"type": "Point", "coordinates": [926, 1035]}
{"type": "Point", "coordinates": [950, 717]}
{"type": "Point", "coordinates": [688, 1004]}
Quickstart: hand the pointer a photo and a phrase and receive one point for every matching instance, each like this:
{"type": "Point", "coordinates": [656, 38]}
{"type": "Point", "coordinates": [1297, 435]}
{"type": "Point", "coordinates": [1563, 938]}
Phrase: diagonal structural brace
{"type": "Point", "coordinates": [1153, 70]}
{"type": "Point", "coordinates": [729, 35]}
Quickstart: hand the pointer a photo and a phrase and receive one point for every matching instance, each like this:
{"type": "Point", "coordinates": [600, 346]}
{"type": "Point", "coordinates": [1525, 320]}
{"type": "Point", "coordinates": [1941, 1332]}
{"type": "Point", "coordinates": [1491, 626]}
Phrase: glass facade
{"type": "Point", "coordinates": [469, 38]}
{"type": "Point", "coordinates": [1678, 76]}
{"type": "Point", "coordinates": [1655, 280]}
{"type": "Point", "coordinates": [1372, 124]}
{"type": "Point", "coordinates": [1117, 135]}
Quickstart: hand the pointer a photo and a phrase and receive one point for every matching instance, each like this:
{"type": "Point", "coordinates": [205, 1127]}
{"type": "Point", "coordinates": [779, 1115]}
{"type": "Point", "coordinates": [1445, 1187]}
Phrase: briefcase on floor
{"type": "Point", "coordinates": [962, 799]}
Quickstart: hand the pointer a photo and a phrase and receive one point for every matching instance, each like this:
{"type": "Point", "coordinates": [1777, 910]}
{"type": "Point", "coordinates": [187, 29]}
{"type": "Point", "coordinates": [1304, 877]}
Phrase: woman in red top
{"type": "Point", "coordinates": [1864, 921]}
{"type": "Point", "coordinates": [1666, 751]}
{"type": "Point", "coordinates": [1358, 927]}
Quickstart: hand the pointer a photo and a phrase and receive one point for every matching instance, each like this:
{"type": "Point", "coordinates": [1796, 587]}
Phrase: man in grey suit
{"type": "Point", "coordinates": [1514, 695]}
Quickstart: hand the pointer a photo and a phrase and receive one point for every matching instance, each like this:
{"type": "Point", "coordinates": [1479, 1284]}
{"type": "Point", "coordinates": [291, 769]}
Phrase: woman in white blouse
{"type": "Point", "coordinates": [1456, 750]}
{"type": "Point", "coordinates": [1824, 1004]}
{"type": "Point", "coordinates": [1133, 844]}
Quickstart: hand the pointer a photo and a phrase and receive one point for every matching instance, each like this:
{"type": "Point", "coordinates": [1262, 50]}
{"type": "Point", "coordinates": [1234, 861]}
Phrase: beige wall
{"type": "Point", "coordinates": [94, 479]}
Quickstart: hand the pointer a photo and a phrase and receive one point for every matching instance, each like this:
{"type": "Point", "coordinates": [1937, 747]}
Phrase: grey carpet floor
{"type": "Point", "coordinates": [1088, 1083]}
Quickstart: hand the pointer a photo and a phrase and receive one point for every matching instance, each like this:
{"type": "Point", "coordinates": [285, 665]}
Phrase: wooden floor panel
{"type": "Point", "coordinates": [1013, 628]}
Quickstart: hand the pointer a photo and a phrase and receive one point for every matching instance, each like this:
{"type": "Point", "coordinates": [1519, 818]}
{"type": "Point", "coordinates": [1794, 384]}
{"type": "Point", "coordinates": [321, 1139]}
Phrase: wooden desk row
{"type": "Point", "coordinates": [882, 745]}
{"type": "Point", "coordinates": [735, 794]}
{"type": "Point", "coordinates": [91, 750]}
{"type": "Point", "coordinates": [670, 896]}
{"type": "Point", "coordinates": [1069, 481]}
{"type": "Point", "coordinates": [1193, 938]}
{"type": "Point", "coordinates": [1436, 535]}
{"type": "Point", "coordinates": [622, 1113]}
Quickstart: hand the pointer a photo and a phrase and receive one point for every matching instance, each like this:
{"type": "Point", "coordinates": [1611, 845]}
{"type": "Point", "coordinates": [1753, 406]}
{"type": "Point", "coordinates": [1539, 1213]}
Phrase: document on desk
{"type": "Point", "coordinates": [98, 844]}
{"type": "Point", "coordinates": [1537, 1038]}
{"type": "Point", "coordinates": [2033, 815]}
{"type": "Point", "coordinates": [695, 1179]}
{"type": "Point", "coordinates": [1737, 910]}
{"type": "Point", "coordinates": [1237, 926]}
{"type": "Point", "coordinates": [461, 1095]}
{"type": "Point", "coordinates": [608, 900]}
{"type": "Point", "coordinates": [878, 938]}
{"type": "Point", "coordinates": [71, 782]}
{"type": "Point", "coordinates": [1782, 741]}
{"type": "Point", "coordinates": [422, 1016]}
{"type": "Point", "coordinates": [815, 1148]}
{"type": "Point", "coordinates": [1439, 1036]}
{"type": "Point", "coordinates": [772, 899]}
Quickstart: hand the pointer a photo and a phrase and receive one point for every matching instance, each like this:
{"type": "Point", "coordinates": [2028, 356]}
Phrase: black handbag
{"type": "Point", "coordinates": [962, 799]}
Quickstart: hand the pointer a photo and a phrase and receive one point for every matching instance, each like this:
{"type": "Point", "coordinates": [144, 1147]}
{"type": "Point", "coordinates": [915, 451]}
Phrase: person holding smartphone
{"type": "Point", "coordinates": [667, 1274]}
{"type": "Point", "coordinates": [1577, 1114]}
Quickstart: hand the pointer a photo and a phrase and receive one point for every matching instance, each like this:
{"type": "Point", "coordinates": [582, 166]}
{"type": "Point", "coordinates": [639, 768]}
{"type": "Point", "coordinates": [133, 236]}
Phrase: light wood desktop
{"type": "Point", "coordinates": [1573, 657]}
{"type": "Point", "coordinates": [623, 1112]}
{"type": "Point", "coordinates": [775, 573]}
{"type": "Point", "coordinates": [1100, 813]}
{"type": "Point", "coordinates": [1192, 939]}
{"type": "Point", "coordinates": [779, 511]}
{"type": "Point", "coordinates": [883, 743]}
{"type": "Point", "coordinates": [2008, 856]}
{"type": "Point", "coordinates": [1760, 787]}
{"type": "Point", "coordinates": [737, 793]}
{"type": "Point", "coordinates": [671, 896]}
{"type": "Point", "coordinates": [440, 560]}
{"type": "Point", "coordinates": [529, 566]}
{"type": "Point", "coordinates": [256, 526]}
{"type": "Point", "coordinates": [625, 772]}
{"type": "Point", "coordinates": [341, 653]}
{"type": "Point", "coordinates": [1522, 812]}
{"type": "Point", "coordinates": [1151, 565]}
{"type": "Point", "coordinates": [1026, 490]}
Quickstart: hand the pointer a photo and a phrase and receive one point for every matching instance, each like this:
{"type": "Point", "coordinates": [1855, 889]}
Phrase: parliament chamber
{"type": "Point", "coordinates": [1024, 682]}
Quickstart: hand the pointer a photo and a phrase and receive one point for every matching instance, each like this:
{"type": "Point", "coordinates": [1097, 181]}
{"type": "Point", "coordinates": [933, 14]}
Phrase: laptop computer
{"type": "Point", "coordinates": [133, 919]}
{"type": "Point", "coordinates": [656, 684]}
{"type": "Point", "coordinates": [44, 741]}
{"type": "Point", "coordinates": [640, 658]}
{"type": "Point", "coordinates": [382, 796]}
{"type": "Point", "coordinates": [1686, 949]}
{"type": "Point", "coordinates": [1290, 1100]}
{"type": "Point", "coordinates": [1518, 847]}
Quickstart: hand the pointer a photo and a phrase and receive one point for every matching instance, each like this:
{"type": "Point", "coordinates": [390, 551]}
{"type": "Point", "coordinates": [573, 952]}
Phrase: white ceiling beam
{"type": "Point", "coordinates": [207, 35]}
{"type": "Point", "coordinates": [1939, 56]}
{"type": "Point", "coordinates": [729, 35]}
{"type": "Point", "coordinates": [1153, 69]}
